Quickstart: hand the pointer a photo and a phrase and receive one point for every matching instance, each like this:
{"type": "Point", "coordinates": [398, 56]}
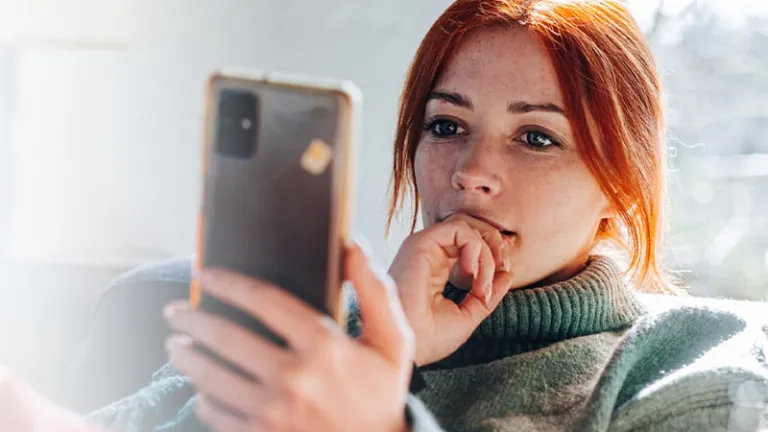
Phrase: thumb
{"type": "Point", "coordinates": [385, 327]}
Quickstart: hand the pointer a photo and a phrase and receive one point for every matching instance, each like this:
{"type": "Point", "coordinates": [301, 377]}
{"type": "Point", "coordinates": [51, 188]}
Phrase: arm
{"type": "Point", "coordinates": [733, 401]}
{"type": "Point", "coordinates": [126, 341]}
{"type": "Point", "coordinates": [698, 369]}
{"type": "Point", "coordinates": [159, 403]}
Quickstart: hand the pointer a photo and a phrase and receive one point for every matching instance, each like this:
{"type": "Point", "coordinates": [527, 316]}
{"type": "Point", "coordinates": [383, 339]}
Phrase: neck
{"type": "Point", "coordinates": [594, 300]}
{"type": "Point", "coordinates": [463, 281]}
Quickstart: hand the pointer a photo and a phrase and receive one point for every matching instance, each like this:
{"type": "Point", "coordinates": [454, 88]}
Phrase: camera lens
{"type": "Point", "coordinates": [237, 124]}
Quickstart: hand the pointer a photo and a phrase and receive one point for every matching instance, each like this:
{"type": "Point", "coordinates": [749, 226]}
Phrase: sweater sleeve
{"type": "Point", "coordinates": [153, 406]}
{"type": "Point", "coordinates": [735, 403]}
{"type": "Point", "coordinates": [721, 383]}
{"type": "Point", "coordinates": [167, 404]}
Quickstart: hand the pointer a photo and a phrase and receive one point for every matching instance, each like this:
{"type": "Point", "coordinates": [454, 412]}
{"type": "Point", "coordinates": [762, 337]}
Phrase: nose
{"type": "Point", "coordinates": [476, 176]}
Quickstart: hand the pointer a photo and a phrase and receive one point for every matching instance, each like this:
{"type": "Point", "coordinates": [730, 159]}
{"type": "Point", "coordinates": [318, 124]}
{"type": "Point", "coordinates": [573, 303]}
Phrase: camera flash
{"type": "Point", "coordinates": [316, 157]}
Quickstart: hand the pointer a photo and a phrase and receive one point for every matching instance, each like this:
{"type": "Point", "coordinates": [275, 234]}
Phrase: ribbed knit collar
{"type": "Point", "coordinates": [594, 301]}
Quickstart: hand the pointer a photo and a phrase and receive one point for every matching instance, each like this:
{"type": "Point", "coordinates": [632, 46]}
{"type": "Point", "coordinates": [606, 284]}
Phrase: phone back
{"type": "Point", "coordinates": [276, 186]}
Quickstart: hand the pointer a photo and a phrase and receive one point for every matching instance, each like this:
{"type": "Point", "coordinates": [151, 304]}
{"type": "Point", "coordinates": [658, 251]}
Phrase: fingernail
{"type": "Point", "coordinates": [507, 265]}
{"type": "Point", "coordinates": [475, 269]}
{"type": "Point", "coordinates": [169, 311]}
{"type": "Point", "coordinates": [503, 252]}
{"type": "Point", "coordinates": [330, 324]}
{"type": "Point", "coordinates": [172, 343]}
{"type": "Point", "coordinates": [176, 341]}
{"type": "Point", "coordinates": [488, 292]}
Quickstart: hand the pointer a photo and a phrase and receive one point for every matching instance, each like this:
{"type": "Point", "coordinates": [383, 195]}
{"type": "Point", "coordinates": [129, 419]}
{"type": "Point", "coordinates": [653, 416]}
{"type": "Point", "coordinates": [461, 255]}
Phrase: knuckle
{"type": "Point", "coordinates": [464, 224]}
{"type": "Point", "coordinates": [294, 380]}
{"type": "Point", "coordinates": [265, 294]}
{"type": "Point", "coordinates": [412, 241]}
{"type": "Point", "coordinates": [217, 334]}
{"type": "Point", "coordinates": [465, 229]}
{"type": "Point", "coordinates": [418, 243]}
{"type": "Point", "coordinates": [324, 343]}
{"type": "Point", "coordinates": [221, 335]}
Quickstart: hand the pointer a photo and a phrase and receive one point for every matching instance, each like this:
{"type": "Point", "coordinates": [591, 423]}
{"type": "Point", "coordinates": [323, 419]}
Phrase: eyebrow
{"type": "Point", "coordinates": [452, 98]}
{"type": "Point", "coordinates": [520, 107]}
{"type": "Point", "coordinates": [525, 107]}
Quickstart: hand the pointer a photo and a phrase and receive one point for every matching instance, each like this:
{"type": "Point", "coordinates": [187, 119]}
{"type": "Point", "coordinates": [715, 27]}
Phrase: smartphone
{"type": "Point", "coordinates": [277, 187]}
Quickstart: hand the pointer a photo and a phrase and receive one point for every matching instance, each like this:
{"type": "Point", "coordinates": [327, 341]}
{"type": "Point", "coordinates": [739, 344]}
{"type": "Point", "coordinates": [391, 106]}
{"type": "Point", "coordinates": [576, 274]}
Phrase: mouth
{"type": "Point", "coordinates": [504, 231]}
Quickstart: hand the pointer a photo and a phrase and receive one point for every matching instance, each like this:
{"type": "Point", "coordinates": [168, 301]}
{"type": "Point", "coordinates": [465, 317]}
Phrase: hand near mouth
{"type": "Point", "coordinates": [461, 245]}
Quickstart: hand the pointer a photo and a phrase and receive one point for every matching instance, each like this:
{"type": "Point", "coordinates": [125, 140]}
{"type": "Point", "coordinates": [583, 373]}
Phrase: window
{"type": "Point", "coordinates": [714, 60]}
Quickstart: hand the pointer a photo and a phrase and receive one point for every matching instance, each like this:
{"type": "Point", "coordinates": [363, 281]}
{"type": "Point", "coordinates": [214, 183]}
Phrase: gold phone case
{"type": "Point", "coordinates": [283, 213]}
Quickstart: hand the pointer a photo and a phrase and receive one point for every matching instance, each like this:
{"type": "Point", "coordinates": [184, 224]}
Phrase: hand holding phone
{"type": "Point", "coordinates": [277, 174]}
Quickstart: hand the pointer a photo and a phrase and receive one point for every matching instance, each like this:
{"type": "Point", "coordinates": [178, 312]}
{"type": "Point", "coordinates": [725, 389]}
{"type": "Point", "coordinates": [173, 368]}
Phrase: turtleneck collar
{"type": "Point", "coordinates": [594, 301]}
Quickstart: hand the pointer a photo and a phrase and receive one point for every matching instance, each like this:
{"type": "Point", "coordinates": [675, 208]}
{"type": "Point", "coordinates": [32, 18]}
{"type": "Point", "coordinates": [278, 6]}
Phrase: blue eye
{"type": "Point", "coordinates": [537, 140]}
{"type": "Point", "coordinates": [443, 128]}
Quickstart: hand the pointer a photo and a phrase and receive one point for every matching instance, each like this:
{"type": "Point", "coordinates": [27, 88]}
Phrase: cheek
{"type": "Point", "coordinates": [563, 205]}
{"type": "Point", "coordinates": [432, 168]}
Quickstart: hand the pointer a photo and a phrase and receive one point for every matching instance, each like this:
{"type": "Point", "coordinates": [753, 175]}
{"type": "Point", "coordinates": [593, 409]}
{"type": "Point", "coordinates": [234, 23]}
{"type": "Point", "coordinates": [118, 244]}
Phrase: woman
{"type": "Point", "coordinates": [530, 134]}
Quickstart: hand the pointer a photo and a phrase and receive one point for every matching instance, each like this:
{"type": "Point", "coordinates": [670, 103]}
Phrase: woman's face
{"type": "Point", "coordinates": [497, 145]}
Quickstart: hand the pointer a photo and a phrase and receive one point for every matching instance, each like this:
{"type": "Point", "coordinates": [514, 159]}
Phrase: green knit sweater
{"type": "Point", "coordinates": [584, 354]}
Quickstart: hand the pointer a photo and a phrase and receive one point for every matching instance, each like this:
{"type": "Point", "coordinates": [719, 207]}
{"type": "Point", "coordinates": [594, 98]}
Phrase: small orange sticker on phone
{"type": "Point", "coordinates": [316, 157]}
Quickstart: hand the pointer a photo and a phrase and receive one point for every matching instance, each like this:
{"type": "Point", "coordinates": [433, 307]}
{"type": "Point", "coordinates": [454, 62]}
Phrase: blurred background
{"type": "Point", "coordinates": [100, 108]}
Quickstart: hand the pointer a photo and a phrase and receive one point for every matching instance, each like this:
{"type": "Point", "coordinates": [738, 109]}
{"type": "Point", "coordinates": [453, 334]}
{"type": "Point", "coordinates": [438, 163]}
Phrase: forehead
{"type": "Point", "coordinates": [502, 62]}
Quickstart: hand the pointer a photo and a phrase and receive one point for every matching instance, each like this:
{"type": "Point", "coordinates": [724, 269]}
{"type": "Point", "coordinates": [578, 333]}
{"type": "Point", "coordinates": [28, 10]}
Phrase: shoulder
{"type": "Point", "coordinates": [147, 286]}
{"type": "Point", "coordinates": [692, 360]}
{"type": "Point", "coordinates": [688, 328]}
{"type": "Point", "coordinates": [656, 303]}
{"type": "Point", "coordinates": [178, 270]}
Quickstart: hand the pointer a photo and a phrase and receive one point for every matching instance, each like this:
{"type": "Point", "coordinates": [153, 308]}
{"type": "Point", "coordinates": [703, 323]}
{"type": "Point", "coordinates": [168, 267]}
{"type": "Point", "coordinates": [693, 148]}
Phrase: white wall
{"type": "Point", "coordinates": [105, 144]}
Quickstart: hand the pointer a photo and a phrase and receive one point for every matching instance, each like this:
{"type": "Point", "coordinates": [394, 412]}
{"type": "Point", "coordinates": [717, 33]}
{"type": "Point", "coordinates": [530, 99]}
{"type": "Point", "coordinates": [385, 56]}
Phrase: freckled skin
{"type": "Point", "coordinates": [545, 194]}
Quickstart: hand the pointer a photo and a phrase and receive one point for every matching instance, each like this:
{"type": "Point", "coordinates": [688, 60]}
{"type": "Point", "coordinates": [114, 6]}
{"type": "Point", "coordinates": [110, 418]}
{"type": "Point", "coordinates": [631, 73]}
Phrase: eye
{"type": "Point", "coordinates": [537, 140]}
{"type": "Point", "coordinates": [444, 128]}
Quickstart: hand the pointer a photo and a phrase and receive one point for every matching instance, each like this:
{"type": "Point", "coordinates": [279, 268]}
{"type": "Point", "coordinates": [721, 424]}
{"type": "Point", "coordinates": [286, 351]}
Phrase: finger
{"type": "Point", "coordinates": [476, 309]}
{"type": "Point", "coordinates": [246, 350]}
{"type": "Point", "coordinates": [498, 248]}
{"type": "Point", "coordinates": [490, 235]}
{"type": "Point", "coordinates": [286, 315]}
{"type": "Point", "coordinates": [482, 284]}
{"type": "Point", "coordinates": [454, 236]}
{"type": "Point", "coordinates": [470, 255]}
{"type": "Point", "coordinates": [211, 377]}
{"type": "Point", "coordinates": [385, 327]}
{"type": "Point", "coordinates": [218, 419]}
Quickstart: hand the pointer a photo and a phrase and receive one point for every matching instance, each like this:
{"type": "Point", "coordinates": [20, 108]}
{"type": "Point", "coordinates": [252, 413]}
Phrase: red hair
{"type": "Point", "coordinates": [612, 95]}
